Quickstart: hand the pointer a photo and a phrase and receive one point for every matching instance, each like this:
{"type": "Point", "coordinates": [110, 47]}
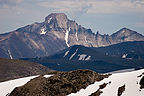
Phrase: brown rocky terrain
{"type": "Point", "coordinates": [60, 84]}
{"type": "Point", "coordinates": [11, 69]}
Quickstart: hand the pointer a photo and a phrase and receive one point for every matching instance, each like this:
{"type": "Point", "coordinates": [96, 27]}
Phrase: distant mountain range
{"type": "Point", "coordinates": [102, 59]}
{"type": "Point", "coordinates": [61, 44]}
{"type": "Point", "coordinates": [56, 33]}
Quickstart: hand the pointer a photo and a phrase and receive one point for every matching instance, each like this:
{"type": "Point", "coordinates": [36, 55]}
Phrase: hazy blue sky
{"type": "Point", "coordinates": [105, 16]}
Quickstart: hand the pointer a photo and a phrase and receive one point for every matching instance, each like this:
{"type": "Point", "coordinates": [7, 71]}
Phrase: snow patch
{"type": "Point", "coordinates": [73, 54]}
{"type": "Point", "coordinates": [86, 39]}
{"type": "Point", "coordinates": [88, 58]}
{"type": "Point", "coordinates": [66, 53]}
{"type": "Point", "coordinates": [66, 36]}
{"type": "Point", "coordinates": [58, 64]}
{"type": "Point", "coordinates": [124, 55]}
{"type": "Point", "coordinates": [7, 86]}
{"type": "Point", "coordinates": [47, 76]}
{"type": "Point", "coordinates": [10, 54]}
{"type": "Point", "coordinates": [76, 36]}
{"type": "Point", "coordinates": [49, 19]}
{"type": "Point", "coordinates": [43, 31]}
{"type": "Point", "coordinates": [123, 31]}
{"type": "Point", "coordinates": [83, 57]}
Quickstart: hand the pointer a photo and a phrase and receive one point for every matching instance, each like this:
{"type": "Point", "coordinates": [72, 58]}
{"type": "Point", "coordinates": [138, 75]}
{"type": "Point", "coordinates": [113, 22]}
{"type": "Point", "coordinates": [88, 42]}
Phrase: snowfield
{"type": "Point", "coordinates": [8, 86]}
{"type": "Point", "coordinates": [129, 79]}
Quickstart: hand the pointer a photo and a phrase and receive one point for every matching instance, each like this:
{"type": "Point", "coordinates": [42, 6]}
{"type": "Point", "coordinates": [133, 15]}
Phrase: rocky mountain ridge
{"type": "Point", "coordinates": [56, 33]}
{"type": "Point", "coordinates": [126, 55]}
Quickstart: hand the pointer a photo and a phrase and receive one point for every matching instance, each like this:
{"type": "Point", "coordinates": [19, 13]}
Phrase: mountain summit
{"type": "Point", "coordinates": [60, 19]}
{"type": "Point", "coordinates": [56, 33]}
{"type": "Point", "coordinates": [126, 34]}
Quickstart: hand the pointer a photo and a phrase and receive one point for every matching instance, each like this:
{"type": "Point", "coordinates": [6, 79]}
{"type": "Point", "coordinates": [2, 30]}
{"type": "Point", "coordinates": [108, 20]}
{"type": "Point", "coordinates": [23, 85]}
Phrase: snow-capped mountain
{"type": "Point", "coordinates": [56, 33]}
{"type": "Point", "coordinates": [78, 83]}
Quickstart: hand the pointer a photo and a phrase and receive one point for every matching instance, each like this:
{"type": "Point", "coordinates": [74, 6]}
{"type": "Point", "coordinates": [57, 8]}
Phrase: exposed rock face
{"type": "Point", "coordinates": [54, 34]}
{"type": "Point", "coordinates": [61, 84]}
{"type": "Point", "coordinates": [142, 83]}
{"type": "Point", "coordinates": [121, 90]}
{"type": "Point", "coordinates": [125, 34]}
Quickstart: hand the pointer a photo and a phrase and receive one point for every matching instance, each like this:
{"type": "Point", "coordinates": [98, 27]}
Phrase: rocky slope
{"type": "Point", "coordinates": [56, 33]}
{"type": "Point", "coordinates": [61, 84]}
{"type": "Point", "coordinates": [11, 69]}
{"type": "Point", "coordinates": [119, 84]}
{"type": "Point", "coordinates": [81, 83]}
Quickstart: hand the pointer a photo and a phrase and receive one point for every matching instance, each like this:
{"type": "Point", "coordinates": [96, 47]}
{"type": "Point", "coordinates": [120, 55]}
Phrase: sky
{"type": "Point", "coordinates": [104, 16]}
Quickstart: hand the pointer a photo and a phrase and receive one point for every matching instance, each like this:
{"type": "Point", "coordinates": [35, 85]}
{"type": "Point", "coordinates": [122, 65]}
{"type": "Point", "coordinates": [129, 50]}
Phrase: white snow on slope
{"type": "Point", "coordinates": [43, 31]}
{"type": "Point", "coordinates": [123, 31]}
{"type": "Point", "coordinates": [66, 53]}
{"type": "Point", "coordinates": [124, 56]}
{"type": "Point", "coordinates": [10, 54]}
{"type": "Point", "coordinates": [73, 54]}
{"type": "Point", "coordinates": [66, 36]}
{"type": "Point", "coordinates": [47, 76]}
{"type": "Point", "coordinates": [7, 86]}
{"type": "Point", "coordinates": [84, 57]}
{"type": "Point", "coordinates": [88, 58]}
{"type": "Point", "coordinates": [76, 36]}
{"type": "Point", "coordinates": [129, 79]}
{"type": "Point", "coordinates": [49, 19]}
{"type": "Point", "coordinates": [86, 39]}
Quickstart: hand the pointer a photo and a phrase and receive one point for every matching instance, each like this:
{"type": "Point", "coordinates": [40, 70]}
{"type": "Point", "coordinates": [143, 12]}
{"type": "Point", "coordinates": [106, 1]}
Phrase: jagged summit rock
{"type": "Point", "coordinates": [56, 33]}
{"type": "Point", "coordinates": [59, 18]}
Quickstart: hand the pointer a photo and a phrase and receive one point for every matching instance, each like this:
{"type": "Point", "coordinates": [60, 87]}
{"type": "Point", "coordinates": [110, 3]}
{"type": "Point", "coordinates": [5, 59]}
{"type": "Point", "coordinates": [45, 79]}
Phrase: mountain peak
{"type": "Point", "coordinates": [56, 15]}
{"type": "Point", "coordinates": [125, 29]}
{"type": "Point", "coordinates": [127, 35]}
{"type": "Point", "coordinates": [59, 18]}
{"type": "Point", "coordinates": [124, 32]}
